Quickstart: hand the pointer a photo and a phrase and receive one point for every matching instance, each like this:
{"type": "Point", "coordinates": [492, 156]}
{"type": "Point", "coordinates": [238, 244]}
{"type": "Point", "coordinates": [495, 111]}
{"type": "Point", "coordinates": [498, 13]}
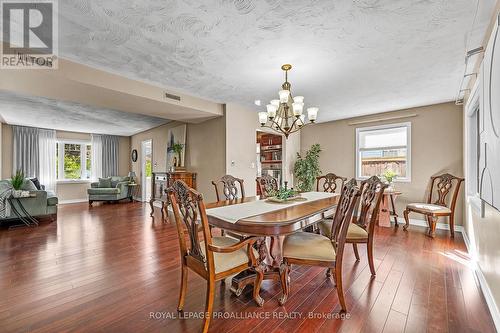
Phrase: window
{"type": "Point", "coordinates": [382, 148]}
{"type": "Point", "coordinates": [73, 160]}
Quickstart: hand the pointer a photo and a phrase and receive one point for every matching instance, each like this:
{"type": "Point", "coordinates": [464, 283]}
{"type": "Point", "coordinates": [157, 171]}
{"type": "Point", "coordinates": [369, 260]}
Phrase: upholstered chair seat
{"type": "Point", "coordinates": [311, 249]}
{"type": "Point", "coordinates": [429, 208]}
{"type": "Point", "coordinates": [440, 187]}
{"type": "Point", "coordinates": [361, 227]}
{"type": "Point", "coordinates": [227, 261]}
{"type": "Point", "coordinates": [308, 246]}
{"type": "Point", "coordinates": [355, 232]}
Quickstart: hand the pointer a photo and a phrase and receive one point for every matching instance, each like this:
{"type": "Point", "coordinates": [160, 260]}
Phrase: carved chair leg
{"type": "Point", "coordinates": [356, 253]}
{"type": "Point", "coordinates": [407, 219]}
{"type": "Point", "coordinates": [452, 226]}
{"type": "Point", "coordinates": [182, 294]}
{"type": "Point", "coordinates": [285, 281]}
{"type": "Point", "coordinates": [433, 222]}
{"type": "Point", "coordinates": [340, 289]}
{"type": "Point", "coordinates": [328, 272]}
{"type": "Point", "coordinates": [369, 248]}
{"type": "Point", "coordinates": [209, 304]}
{"type": "Point", "coordinates": [256, 286]}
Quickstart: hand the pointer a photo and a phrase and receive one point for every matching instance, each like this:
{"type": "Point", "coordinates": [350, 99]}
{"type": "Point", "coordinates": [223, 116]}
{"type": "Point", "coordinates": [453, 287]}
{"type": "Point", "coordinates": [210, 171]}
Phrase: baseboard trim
{"type": "Point", "coordinates": [423, 223]}
{"type": "Point", "coordinates": [485, 288]}
{"type": "Point", "coordinates": [65, 202]}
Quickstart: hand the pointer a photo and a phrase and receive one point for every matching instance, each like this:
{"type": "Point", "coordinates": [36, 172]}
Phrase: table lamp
{"type": "Point", "coordinates": [131, 176]}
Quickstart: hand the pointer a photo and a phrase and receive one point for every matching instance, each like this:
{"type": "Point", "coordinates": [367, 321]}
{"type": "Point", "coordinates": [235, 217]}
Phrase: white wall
{"type": "Point", "coordinates": [482, 231]}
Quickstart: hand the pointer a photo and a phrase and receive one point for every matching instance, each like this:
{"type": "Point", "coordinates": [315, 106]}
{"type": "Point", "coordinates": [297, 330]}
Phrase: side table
{"type": "Point", "coordinates": [133, 189]}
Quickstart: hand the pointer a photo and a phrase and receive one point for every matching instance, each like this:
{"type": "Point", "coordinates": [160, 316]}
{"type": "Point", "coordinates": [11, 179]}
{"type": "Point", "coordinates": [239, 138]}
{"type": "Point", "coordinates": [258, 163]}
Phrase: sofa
{"type": "Point", "coordinates": [113, 188]}
{"type": "Point", "coordinates": [42, 205]}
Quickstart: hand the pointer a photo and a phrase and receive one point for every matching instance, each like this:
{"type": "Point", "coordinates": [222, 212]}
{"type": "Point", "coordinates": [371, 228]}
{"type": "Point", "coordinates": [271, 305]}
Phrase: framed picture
{"type": "Point", "coordinates": [176, 147]}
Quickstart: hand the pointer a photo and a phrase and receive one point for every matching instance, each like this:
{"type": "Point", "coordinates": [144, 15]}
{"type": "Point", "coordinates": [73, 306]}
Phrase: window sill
{"type": "Point", "coordinates": [408, 180]}
{"type": "Point", "coordinates": [74, 181]}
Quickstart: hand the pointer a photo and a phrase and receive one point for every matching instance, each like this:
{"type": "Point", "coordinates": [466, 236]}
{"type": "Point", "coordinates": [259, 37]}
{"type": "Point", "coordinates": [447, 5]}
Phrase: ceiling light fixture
{"type": "Point", "coordinates": [285, 115]}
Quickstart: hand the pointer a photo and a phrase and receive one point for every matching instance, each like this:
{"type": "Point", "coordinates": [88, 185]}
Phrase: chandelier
{"type": "Point", "coordinates": [285, 115]}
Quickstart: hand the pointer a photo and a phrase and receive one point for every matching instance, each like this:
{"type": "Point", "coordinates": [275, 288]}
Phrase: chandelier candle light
{"type": "Point", "coordinates": [285, 114]}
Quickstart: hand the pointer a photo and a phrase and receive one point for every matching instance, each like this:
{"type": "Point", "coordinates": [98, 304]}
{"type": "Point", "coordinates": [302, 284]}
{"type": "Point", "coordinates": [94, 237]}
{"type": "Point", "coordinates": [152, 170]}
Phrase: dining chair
{"type": "Point", "coordinates": [230, 191]}
{"type": "Point", "coordinates": [362, 228]}
{"type": "Point", "coordinates": [304, 248]}
{"type": "Point", "coordinates": [444, 184]}
{"type": "Point", "coordinates": [212, 258]}
{"type": "Point", "coordinates": [329, 183]}
{"type": "Point", "coordinates": [266, 185]}
{"type": "Point", "coordinates": [229, 187]}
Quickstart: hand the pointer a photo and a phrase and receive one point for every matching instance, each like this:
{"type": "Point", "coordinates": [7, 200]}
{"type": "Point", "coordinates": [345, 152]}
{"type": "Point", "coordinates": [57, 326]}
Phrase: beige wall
{"type": "Point", "coordinates": [205, 151]}
{"type": "Point", "coordinates": [65, 191]}
{"type": "Point", "coordinates": [436, 143]}
{"type": "Point", "coordinates": [241, 131]}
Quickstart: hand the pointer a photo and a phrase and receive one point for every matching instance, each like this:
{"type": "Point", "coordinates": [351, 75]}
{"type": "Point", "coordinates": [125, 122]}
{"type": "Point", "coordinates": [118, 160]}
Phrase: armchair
{"type": "Point", "coordinates": [119, 190]}
{"type": "Point", "coordinates": [42, 204]}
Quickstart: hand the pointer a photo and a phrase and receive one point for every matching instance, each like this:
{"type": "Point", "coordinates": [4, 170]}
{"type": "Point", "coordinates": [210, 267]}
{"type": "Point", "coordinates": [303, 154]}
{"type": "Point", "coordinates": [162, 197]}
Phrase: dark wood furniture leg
{"type": "Point", "coordinates": [152, 207]}
{"type": "Point", "coordinates": [393, 212]}
{"type": "Point", "coordinates": [270, 266]}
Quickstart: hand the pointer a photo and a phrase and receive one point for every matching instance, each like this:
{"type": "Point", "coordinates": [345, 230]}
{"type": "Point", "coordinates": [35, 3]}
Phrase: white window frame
{"type": "Point", "coordinates": [83, 164]}
{"type": "Point", "coordinates": [359, 130]}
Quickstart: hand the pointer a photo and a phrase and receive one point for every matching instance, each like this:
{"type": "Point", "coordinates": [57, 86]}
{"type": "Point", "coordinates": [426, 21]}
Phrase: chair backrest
{"type": "Point", "coordinates": [329, 183]}
{"type": "Point", "coordinates": [372, 192]}
{"type": "Point", "coordinates": [190, 217]}
{"type": "Point", "coordinates": [444, 185]}
{"type": "Point", "coordinates": [343, 215]}
{"type": "Point", "coordinates": [266, 184]}
{"type": "Point", "coordinates": [229, 188]}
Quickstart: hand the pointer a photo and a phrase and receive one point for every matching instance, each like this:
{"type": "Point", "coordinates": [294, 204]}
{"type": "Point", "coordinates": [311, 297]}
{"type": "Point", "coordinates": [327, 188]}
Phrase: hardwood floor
{"type": "Point", "coordinates": [111, 269]}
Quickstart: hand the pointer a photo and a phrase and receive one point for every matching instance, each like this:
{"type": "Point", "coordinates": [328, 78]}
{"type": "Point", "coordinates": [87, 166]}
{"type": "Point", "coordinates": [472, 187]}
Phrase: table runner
{"type": "Point", "coordinates": [234, 213]}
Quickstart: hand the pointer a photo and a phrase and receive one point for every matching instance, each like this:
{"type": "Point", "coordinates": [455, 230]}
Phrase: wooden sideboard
{"type": "Point", "coordinates": [161, 181]}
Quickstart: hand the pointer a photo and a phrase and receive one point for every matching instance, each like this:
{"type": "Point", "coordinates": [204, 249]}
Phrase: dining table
{"type": "Point", "coordinates": [272, 221]}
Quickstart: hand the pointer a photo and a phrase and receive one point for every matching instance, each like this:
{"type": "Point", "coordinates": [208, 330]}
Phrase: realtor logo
{"type": "Point", "coordinates": [29, 34]}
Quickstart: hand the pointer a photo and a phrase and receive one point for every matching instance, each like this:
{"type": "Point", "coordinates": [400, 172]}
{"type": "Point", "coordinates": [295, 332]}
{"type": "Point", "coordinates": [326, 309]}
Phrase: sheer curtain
{"type": "Point", "coordinates": [96, 167]}
{"type": "Point", "coordinates": [47, 153]}
{"type": "Point", "coordinates": [25, 150]}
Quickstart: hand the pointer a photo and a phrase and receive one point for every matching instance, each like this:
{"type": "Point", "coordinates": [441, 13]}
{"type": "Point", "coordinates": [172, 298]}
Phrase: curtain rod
{"type": "Point", "coordinates": [382, 119]}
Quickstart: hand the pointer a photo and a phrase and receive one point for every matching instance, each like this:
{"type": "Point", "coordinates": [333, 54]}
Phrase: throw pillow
{"type": "Point", "coordinates": [105, 182]}
{"type": "Point", "coordinates": [36, 182]}
{"type": "Point", "coordinates": [28, 186]}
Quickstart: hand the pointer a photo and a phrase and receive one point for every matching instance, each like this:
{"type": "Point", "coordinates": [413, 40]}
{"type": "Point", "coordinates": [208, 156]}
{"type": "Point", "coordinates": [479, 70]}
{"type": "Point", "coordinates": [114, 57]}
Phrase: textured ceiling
{"type": "Point", "coordinates": [350, 57]}
{"type": "Point", "coordinates": [41, 112]}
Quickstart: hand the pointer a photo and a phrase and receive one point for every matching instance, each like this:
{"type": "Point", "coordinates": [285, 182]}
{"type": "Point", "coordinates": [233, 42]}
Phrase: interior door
{"type": "Point", "coordinates": [146, 169]}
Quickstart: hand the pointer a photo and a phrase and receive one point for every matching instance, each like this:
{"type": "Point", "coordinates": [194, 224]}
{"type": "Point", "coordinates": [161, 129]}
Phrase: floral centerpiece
{"type": "Point", "coordinates": [389, 176]}
{"type": "Point", "coordinates": [283, 194]}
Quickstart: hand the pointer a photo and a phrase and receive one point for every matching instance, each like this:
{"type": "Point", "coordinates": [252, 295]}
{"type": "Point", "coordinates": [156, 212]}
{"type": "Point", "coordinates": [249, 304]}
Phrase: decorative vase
{"type": "Point", "coordinates": [17, 193]}
{"type": "Point", "coordinates": [390, 186]}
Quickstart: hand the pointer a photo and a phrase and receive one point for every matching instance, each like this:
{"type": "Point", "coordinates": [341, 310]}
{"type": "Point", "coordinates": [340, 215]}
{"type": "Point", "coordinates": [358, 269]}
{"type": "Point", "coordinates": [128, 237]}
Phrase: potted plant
{"type": "Point", "coordinates": [306, 168]}
{"type": "Point", "coordinates": [177, 149]}
{"type": "Point", "coordinates": [17, 182]}
{"type": "Point", "coordinates": [389, 176]}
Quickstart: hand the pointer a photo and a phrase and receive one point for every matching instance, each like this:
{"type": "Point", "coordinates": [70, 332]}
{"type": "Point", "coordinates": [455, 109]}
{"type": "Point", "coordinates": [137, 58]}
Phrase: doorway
{"type": "Point", "coordinates": [146, 169]}
{"type": "Point", "coordinates": [269, 149]}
